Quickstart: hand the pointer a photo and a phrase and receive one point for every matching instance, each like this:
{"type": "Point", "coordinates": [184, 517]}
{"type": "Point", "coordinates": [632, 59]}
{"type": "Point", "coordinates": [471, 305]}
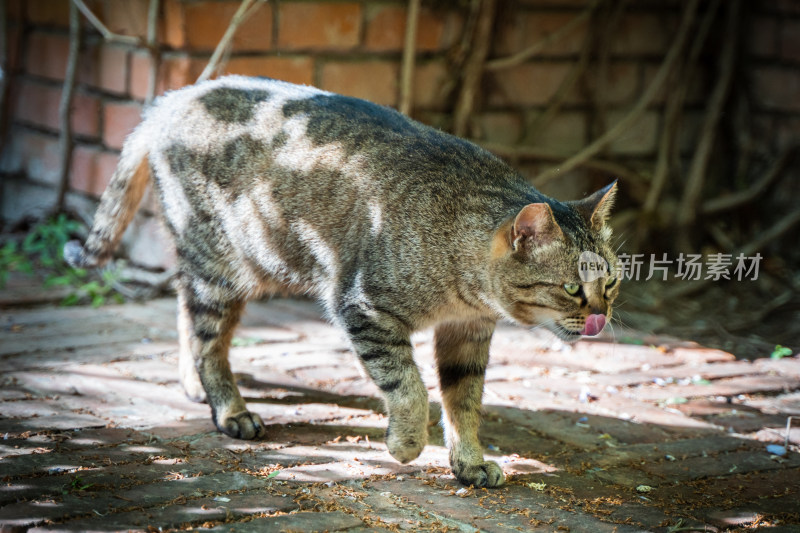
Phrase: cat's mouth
{"type": "Point", "coordinates": [566, 335]}
{"type": "Point", "coordinates": [593, 326]}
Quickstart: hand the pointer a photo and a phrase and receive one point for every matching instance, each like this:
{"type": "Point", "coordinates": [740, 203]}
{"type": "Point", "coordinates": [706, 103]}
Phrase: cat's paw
{"type": "Point", "coordinates": [242, 425]}
{"type": "Point", "coordinates": [405, 446]}
{"type": "Point", "coordinates": [487, 474]}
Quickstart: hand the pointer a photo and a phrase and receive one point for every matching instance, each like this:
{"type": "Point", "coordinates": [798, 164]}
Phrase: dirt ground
{"type": "Point", "coordinates": [628, 432]}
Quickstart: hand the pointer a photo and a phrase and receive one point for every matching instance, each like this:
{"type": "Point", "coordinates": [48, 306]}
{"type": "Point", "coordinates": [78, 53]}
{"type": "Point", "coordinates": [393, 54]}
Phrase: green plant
{"type": "Point", "coordinates": [43, 248]}
{"type": "Point", "coordinates": [95, 291]}
{"type": "Point", "coordinates": [11, 259]}
{"type": "Point", "coordinates": [780, 352]}
{"type": "Point", "coordinates": [45, 243]}
{"type": "Point", "coordinates": [76, 484]}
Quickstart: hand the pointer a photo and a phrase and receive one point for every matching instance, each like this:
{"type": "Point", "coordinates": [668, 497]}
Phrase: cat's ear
{"type": "Point", "coordinates": [597, 208]}
{"type": "Point", "coordinates": [535, 225]}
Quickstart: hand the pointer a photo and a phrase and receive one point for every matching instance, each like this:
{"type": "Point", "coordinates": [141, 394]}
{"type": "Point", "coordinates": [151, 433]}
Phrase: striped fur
{"type": "Point", "coordinates": [393, 225]}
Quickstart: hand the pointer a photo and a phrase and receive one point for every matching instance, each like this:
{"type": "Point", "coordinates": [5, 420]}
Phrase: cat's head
{"type": "Point", "coordinates": [553, 265]}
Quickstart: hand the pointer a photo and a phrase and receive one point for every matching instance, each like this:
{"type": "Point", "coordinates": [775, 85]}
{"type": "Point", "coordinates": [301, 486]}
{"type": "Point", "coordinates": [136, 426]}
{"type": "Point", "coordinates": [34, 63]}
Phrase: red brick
{"type": "Point", "coordinates": [697, 92]}
{"type": "Point", "coordinates": [14, 45]}
{"type": "Point", "coordinates": [528, 84]}
{"type": "Point", "coordinates": [386, 26]}
{"type": "Point", "coordinates": [173, 73]}
{"type": "Point", "coordinates": [91, 169]}
{"type": "Point", "coordinates": [429, 81]}
{"type": "Point", "coordinates": [788, 7]}
{"type": "Point", "coordinates": [112, 73]}
{"type": "Point", "coordinates": [790, 40]}
{"type": "Point", "coordinates": [644, 34]}
{"type": "Point", "coordinates": [777, 88]}
{"type": "Point", "coordinates": [621, 87]}
{"type": "Point", "coordinates": [319, 26]}
{"type": "Point", "coordinates": [126, 18]}
{"type": "Point", "coordinates": [38, 104]}
{"type": "Point", "coordinates": [119, 119]}
{"type": "Point", "coordinates": [201, 25]}
{"type": "Point", "coordinates": [174, 24]}
{"type": "Point", "coordinates": [291, 69]}
{"type": "Point", "coordinates": [787, 136]}
{"type": "Point", "coordinates": [36, 155]}
{"type": "Point", "coordinates": [46, 55]}
{"type": "Point", "coordinates": [762, 37]}
{"type": "Point", "coordinates": [375, 81]}
{"type": "Point", "coordinates": [527, 29]}
{"type": "Point", "coordinates": [500, 127]}
{"type": "Point", "coordinates": [564, 134]}
{"type": "Point", "coordinates": [14, 11]}
{"type": "Point", "coordinates": [640, 138]}
{"type": "Point", "coordinates": [55, 13]}
{"type": "Point", "coordinates": [46, 12]}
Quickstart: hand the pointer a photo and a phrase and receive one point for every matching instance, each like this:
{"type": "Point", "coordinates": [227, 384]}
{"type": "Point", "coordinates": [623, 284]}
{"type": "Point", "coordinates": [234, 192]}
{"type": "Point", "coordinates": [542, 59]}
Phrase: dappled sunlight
{"type": "Point", "coordinates": [587, 422]}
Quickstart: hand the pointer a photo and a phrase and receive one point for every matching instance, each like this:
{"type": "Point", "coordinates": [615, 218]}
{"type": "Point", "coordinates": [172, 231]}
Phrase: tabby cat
{"type": "Point", "coordinates": [393, 225]}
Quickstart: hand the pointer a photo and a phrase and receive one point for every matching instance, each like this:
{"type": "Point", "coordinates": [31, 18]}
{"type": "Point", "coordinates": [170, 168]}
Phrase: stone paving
{"type": "Point", "coordinates": [625, 433]}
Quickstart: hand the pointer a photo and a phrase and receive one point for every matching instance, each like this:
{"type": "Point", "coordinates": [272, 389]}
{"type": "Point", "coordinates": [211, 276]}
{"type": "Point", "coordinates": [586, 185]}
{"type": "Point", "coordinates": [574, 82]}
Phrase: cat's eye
{"type": "Point", "coordinates": [572, 288]}
{"type": "Point", "coordinates": [611, 282]}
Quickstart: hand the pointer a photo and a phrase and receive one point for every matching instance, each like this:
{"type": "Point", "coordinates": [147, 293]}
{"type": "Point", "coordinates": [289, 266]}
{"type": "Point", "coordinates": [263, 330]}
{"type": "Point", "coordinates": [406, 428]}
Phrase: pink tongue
{"type": "Point", "coordinates": [594, 324]}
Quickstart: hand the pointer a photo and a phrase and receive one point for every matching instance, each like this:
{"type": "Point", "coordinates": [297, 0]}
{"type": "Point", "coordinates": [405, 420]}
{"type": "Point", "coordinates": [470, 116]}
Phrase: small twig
{"type": "Point", "coordinates": [107, 34]}
{"type": "Point", "coordinates": [763, 311]}
{"type": "Point", "coordinates": [623, 125]}
{"type": "Point", "coordinates": [242, 14]}
{"type": "Point", "coordinates": [409, 53]}
{"type": "Point", "coordinates": [538, 126]}
{"type": "Point", "coordinates": [731, 201]}
{"type": "Point", "coordinates": [672, 114]}
{"type": "Point", "coordinates": [603, 35]}
{"type": "Point", "coordinates": [65, 107]}
{"type": "Point", "coordinates": [779, 228]}
{"type": "Point", "coordinates": [152, 45]}
{"type": "Point", "coordinates": [788, 429]}
{"type": "Point", "coordinates": [560, 33]}
{"type": "Point", "coordinates": [688, 207]}
{"type": "Point", "coordinates": [473, 68]}
{"type": "Point", "coordinates": [530, 152]}
{"type": "Point", "coordinates": [151, 284]}
{"type": "Point", "coordinates": [782, 226]}
{"type": "Point", "coordinates": [719, 235]}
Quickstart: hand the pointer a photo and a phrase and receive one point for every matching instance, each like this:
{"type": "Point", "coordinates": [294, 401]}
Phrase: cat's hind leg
{"type": "Point", "coordinates": [462, 352]}
{"type": "Point", "coordinates": [207, 317]}
{"type": "Point", "coordinates": [382, 343]}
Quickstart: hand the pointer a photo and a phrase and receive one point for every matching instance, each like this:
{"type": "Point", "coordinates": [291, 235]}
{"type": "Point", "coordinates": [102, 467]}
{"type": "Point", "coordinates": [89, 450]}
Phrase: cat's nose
{"type": "Point", "coordinates": [594, 324]}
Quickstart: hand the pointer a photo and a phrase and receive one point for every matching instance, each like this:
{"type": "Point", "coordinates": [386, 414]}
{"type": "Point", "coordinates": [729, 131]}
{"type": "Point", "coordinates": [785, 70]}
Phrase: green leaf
{"type": "Point", "coordinates": [780, 352]}
{"type": "Point", "coordinates": [91, 287]}
{"type": "Point", "coordinates": [273, 474]}
{"type": "Point", "coordinates": [675, 401]}
{"type": "Point", "coordinates": [53, 281]}
{"type": "Point", "coordinates": [71, 300]}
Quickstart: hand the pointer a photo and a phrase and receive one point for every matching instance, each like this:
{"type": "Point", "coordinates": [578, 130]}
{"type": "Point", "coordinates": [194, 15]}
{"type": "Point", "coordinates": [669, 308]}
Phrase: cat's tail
{"type": "Point", "coordinates": [118, 204]}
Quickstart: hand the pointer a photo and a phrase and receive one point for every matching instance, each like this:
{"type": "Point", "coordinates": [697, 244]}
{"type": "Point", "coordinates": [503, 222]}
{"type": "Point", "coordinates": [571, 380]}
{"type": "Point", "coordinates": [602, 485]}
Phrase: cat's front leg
{"type": "Point", "coordinates": [462, 352]}
{"type": "Point", "coordinates": [382, 343]}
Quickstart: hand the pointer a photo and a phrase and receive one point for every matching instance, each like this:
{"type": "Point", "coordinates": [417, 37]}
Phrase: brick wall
{"type": "Point", "coordinates": [354, 48]}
